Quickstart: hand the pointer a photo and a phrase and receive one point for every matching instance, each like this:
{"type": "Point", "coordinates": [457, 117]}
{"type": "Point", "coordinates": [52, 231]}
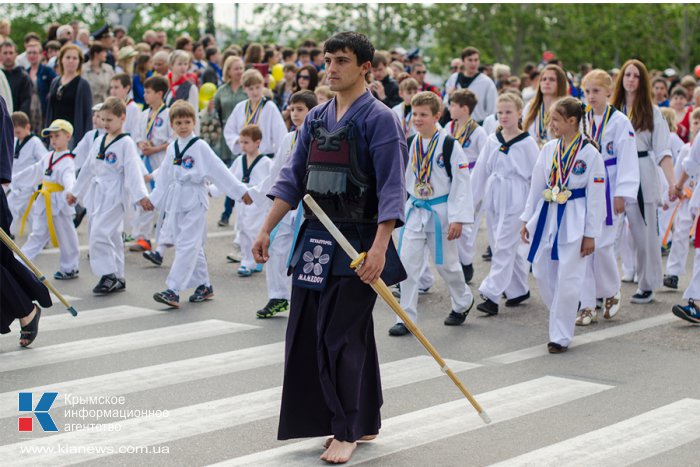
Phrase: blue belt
{"type": "Point", "coordinates": [427, 204]}
{"type": "Point", "coordinates": [297, 227]}
{"type": "Point", "coordinates": [608, 207]}
{"type": "Point", "coordinates": [542, 220]}
{"type": "Point", "coordinates": [147, 163]}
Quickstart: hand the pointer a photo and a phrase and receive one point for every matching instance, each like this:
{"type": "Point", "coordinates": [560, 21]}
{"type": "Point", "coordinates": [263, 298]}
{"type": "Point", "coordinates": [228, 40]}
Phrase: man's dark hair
{"type": "Point", "coordinates": [286, 53]}
{"type": "Point", "coordinates": [31, 36]}
{"type": "Point", "coordinates": [210, 52]}
{"type": "Point", "coordinates": [315, 52]}
{"type": "Point", "coordinates": [308, 98]}
{"type": "Point", "coordinates": [354, 42]}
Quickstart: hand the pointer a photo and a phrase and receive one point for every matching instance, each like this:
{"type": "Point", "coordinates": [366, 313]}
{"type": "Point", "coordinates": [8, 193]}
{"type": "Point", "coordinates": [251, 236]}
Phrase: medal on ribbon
{"type": "Point", "coordinates": [422, 165]}
{"type": "Point", "coordinates": [465, 131]}
{"type": "Point", "coordinates": [541, 124]}
{"type": "Point", "coordinates": [152, 121]}
{"type": "Point", "coordinates": [598, 132]}
{"type": "Point", "coordinates": [253, 113]}
{"type": "Point", "coordinates": [562, 165]}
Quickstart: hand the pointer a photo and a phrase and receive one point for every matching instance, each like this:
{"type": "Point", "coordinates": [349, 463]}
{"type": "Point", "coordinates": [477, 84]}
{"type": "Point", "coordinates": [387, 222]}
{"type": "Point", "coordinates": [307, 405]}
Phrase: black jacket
{"type": "Point", "coordinates": [21, 86]}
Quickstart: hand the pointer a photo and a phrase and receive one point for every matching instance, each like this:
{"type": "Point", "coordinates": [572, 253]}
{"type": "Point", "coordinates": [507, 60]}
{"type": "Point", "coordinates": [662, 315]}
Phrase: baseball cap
{"type": "Point", "coordinates": [58, 125]}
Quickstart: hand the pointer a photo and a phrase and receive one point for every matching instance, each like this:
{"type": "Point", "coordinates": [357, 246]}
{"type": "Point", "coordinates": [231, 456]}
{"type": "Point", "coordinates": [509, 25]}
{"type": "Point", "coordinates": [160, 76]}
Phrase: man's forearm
{"type": "Point", "coordinates": [384, 231]}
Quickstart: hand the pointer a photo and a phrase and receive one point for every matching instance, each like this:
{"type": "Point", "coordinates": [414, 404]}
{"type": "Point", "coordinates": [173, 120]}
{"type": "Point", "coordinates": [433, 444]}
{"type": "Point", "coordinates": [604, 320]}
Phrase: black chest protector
{"type": "Point", "coordinates": [334, 177]}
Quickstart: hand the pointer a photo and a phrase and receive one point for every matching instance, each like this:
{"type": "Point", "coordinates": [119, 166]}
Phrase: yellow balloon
{"type": "Point", "coordinates": [272, 82]}
{"type": "Point", "coordinates": [278, 72]}
{"type": "Point", "coordinates": [206, 93]}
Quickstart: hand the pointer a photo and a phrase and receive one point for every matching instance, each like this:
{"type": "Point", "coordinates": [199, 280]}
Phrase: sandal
{"type": "Point", "coordinates": [553, 347]}
{"type": "Point", "coordinates": [30, 331]}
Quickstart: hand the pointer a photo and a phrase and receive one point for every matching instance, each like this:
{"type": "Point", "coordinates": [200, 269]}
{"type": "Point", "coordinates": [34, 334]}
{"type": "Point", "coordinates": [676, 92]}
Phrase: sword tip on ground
{"type": "Point", "coordinates": [484, 416]}
{"type": "Point", "coordinates": [72, 311]}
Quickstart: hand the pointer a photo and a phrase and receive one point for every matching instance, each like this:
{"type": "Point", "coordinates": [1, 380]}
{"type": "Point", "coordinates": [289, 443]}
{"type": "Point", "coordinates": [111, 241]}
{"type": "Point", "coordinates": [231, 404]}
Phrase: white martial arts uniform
{"type": "Point", "coordinates": [278, 282]}
{"type": "Point", "coordinates": [559, 281]}
{"type": "Point", "coordinates": [26, 155]}
{"type": "Point", "coordinates": [405, 119]}
{"type": "Point", "coordinates": [676, 144]}
{"type": "Point", "coordinates": [501, 179]}
{"type": "Point", "coordinates": [268, 118]}
{"type": "Point", "coordinates": [82, 149]}
{"type": "Point", "coordinates": [157, 132]}
{"type": "Point", "coordinates": [132, 123]}
{"type": "Point", "coordinates": [619, 151]}
{"type": "Point", "coordinates": [484, 89]}
{"type": "Point", "coordinates": [490, 124]}
{"type": "Point", "coordinates": [472, 142]}
{"type": "Point", "coordinates": [537, 129]}
{"type": "Point", "coordinates": [683, 222]}
{"type": "Point", "coordinates": [450, 202]}
{"type": "Point", "coordinates": [110, 173]}
{"type": "Point", "coordinates": [56, 167]}
{"type": "Point", "coordinates": [250, 218]}
{"type": "Point", "coordinates": [652, 147]}
{"type": "Point", "coordinates": [181, 193]}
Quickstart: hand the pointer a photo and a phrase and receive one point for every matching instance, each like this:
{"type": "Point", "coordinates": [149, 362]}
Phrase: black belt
{"type": "Point", "coordinates": [641, 154]}
{"type": "Point", "coordinates": [640, 196]}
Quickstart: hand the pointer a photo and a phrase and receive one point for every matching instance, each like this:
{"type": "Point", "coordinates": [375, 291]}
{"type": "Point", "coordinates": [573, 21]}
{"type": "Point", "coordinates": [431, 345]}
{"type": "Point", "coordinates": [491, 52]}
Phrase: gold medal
{"type": "Point", "coordinates": [563, 196]}
{"type": "Point", "coordinates": [423, 190]}
{"type": "Point", "coordinates": [547, 195]}
{"type": "Point", "coordinates": [555, 191]}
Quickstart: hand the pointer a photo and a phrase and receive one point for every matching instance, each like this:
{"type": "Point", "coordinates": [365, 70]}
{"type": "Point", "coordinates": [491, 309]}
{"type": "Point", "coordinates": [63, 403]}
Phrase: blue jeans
{"type": "Point", "coordinates": [228, 208]}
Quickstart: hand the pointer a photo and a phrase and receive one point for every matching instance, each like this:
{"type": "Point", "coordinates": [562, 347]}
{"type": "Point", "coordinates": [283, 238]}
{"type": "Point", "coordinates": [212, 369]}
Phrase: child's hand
{"type": "Point", "coordinates": [454, 231]}
{"type": "Point", "coordinates": [146, 204]}
{"type": "Point", "coordinates": [587, 246]}
{"type": "Point", "coordinates": [247, 200]}
{"type": "Point", "coordinates": [70, 199]}
{"type": "Point", "coordinates": [525, 235]}
{"type": "Point", "coordinates": [148, 178]}
{"type": "Point", "coordinates": [619, 205]}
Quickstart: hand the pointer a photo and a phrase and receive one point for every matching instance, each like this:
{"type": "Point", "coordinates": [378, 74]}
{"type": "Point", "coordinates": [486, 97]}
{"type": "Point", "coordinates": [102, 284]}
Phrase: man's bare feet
{"type": "Point", "coordinates": [339, 452]}
{"type": "Point", "coordinates": [23, 322]}
{"type": "Point", "coordinates": [364, 438]}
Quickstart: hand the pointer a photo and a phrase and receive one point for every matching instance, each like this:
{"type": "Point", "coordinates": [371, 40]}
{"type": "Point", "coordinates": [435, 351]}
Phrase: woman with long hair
{"type": "Point", "coordinates": [632, 94]}
{"type": "Point", "coordinates": [552, 86]}
{"type": "Point", "coordinates": [307, 79]}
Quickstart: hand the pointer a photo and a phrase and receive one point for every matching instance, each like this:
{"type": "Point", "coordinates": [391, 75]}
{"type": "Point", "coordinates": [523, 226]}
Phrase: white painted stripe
{"type": "Point", "coordinates": [589, 337]}
{"type": "Point", "coordinates": [69, 298]}
{"type": "Point", "coordinates": [55, 251]}
{"type": "Point", "coordinates": [23, 359]}
{"type": "Point", "coordinates": [156, 376]}
{"type": "Point", "coordinates": [438, 422]}
{"type": "Point", "coordinates": [193, 420]}
{"type": "Point", "coordinates": [89, 317]}
{"type": "Point", "coordinates": [623, 443]}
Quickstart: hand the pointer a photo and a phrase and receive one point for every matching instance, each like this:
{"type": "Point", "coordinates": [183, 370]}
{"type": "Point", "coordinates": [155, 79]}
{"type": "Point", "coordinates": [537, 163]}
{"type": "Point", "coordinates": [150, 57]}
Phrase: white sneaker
{"type": "Point", "coordinates": [587, 317]}
{"type": "Point", "coordinates": [612, 305]}
{"type": "Point", "coordinates": [629, 278]}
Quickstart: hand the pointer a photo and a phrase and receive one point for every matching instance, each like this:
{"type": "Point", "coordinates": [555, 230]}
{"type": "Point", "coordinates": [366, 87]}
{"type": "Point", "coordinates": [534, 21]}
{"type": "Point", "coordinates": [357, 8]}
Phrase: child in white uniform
{"type": "Point", "coordinates": [181, 194]}
{"type": "Point", "coordinates": [407, 89]}
{"type": "Point", "coordinates": [613, 133]}
{"type": "Point", "coordinates": [28, 151]}
{"type": "Point", "coordinates": [552, 86]}
{"type": "Point", "coordinates": [111, 173]}
{"type": "Point", "coordinates": [53, 217]}
{"type": "Point", "coordinates": [440, 203]}
{"type": "Point", "coordinates": [501, 179]}
{"type": "Point", "coordinates": [120, 87]}
{"type": "Point", "coordinates": [563, 217]}
{"type": "Point", "coordinates": [472, 138]}
{"type": "Point", "coordinates": [278, 282]}
{"type": "Point", "coordinates": [82, 149]}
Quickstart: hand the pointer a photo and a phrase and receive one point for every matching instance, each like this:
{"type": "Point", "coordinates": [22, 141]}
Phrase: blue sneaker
{"type": "Point", "coordinates": [244, 272]}
{"type": "Point", "coordinates": [168, 297]}
{"type": "Point", "coordinates": [258, 268]}
{"type": "Point", "coordinates": [689, 312]}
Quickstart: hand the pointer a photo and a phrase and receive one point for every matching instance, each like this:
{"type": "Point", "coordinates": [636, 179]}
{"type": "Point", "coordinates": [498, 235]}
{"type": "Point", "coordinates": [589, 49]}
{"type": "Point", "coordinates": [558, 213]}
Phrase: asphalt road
{"type": "Point", "coordinates": [626, 392]}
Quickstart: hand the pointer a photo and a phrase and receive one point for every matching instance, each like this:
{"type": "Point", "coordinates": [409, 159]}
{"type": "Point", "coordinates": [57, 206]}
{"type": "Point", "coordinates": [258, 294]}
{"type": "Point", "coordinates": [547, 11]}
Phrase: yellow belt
{"type": "Point", "coordinates": [46, 189]}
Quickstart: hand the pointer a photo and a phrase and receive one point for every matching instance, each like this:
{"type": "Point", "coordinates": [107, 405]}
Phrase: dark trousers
{"type": "Point", "coordinates": [18, 286]}
{"type": "Point", "coordinates": [331, 376]}
{"type": "Point", "coordinates": [228, 208]}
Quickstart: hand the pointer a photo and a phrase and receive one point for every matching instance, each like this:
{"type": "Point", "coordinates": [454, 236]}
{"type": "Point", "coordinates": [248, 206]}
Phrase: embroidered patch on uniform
{"type": "Point", "coordinates": [463, 165]}
{"type": "Point", "coordinates": [441, 161]}
{"type": "Point", "coordinates": [503, 149]}
{"type": "Point", "coordinates": [632, 134]}
{"type": "Point", "coordinates": [579, 167]}
{"type": "Point", "coordinates": [598, 180]}
{"type": "Point", "coordinates": [111, 158]}
{"type": "Point", "coordinates": [609, 148]}
{"type": "Point", "coordinates": [187, 162]}
{"type": "Point", "coordinates": [467, 143]}
{"type": "Point", "coordinates": [159, 122]}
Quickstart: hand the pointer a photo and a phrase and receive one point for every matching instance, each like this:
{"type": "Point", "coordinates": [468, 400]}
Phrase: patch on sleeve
{"type": "Point", "coordinates": [632, 134]}
{"type": "Point", "coordinates": [598, 180]}
{"type": "Point", "coordinates": [463, 165]}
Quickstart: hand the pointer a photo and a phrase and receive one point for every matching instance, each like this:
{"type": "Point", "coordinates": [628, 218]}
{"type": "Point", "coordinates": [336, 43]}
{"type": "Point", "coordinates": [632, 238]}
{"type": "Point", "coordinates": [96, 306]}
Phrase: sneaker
{"type": "Point", "coordinates": [587, 317]}
{"type": "Point", "coordinates": [64, 276]}
{"type": "Point", "coordinates": [642, 297]}
{"type": "Point", "coordinates": [599, 304]}
{"type": "Point", "coordinates": [202, 293]}
{"type": "Point", "coordinates": [689, 312]}
{"type": "Point", "coordinates": [488, 255]}
{"type": "Point", "coordinates": [489, 307]}
{"type": "Point", "coordinates": [396, 291]}
{"type": "Point", "coordinates": [79, 215]}
{"type": "Point", "coordinates": [628, 278]}
{"type": "Point", "coordinates": [244, 272]}
{"type": "Point", "coordinates": [398, 329]}
{"type": "Point", "coordinates": [274, 306]}
{"type": "Point", "coordinates": [456, 319]}
{"type": "Point", "coordinates": [141, 245]}
{"type": "Point", "coordinates": [258, 268]}
{"type": "Point", "coordinates": [168, 297]}
{"type": "Point", "coordinates": [555, 348]}
{"type": "Point", "coordinates": [121, 285]}
{"type": "Point", "coordinates": [223, 222]}
{"type": "Point", "coordinates": [671, 282]}
{"type": "Point", "coordinates": [127, 238]}
{"type": "Point", "coordinates": [468, 272]}
{"type": "Point", "coordinates": [233, 258]}
{"type": "Point", "coordinates": [612, 305]}
{"type": "Point", "coordinates": [154, 257]}
{"type": "Point", "coordinates": [107, 284]}
{"type": "Point", "coordinates": [517, 300]}
{"type": "Point", "coordinates": [423, 291]}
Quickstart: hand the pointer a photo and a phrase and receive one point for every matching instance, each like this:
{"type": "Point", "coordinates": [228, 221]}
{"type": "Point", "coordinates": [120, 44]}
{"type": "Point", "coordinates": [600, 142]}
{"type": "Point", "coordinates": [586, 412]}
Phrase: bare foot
{"type": "Point", "coordinates": [23, 322]}
{"type": "Point", "coordinates": [339, 452]}
{"type": "Point", "coordinates": [364, 438]}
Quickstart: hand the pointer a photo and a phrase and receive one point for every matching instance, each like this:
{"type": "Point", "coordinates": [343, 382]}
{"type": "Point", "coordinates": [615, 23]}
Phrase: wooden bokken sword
{"type": "Point", "coordinates": [13, 246]}
{"type": "Point", "coordinates": [383, 291]}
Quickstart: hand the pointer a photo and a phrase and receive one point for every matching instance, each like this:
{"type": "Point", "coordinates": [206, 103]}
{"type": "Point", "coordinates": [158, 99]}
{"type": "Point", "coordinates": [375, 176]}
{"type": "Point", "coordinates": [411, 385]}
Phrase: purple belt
{"type": "Point", "coordinates": [471, 165]}
{"type": "Point", "coordinates": [608, 206]}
